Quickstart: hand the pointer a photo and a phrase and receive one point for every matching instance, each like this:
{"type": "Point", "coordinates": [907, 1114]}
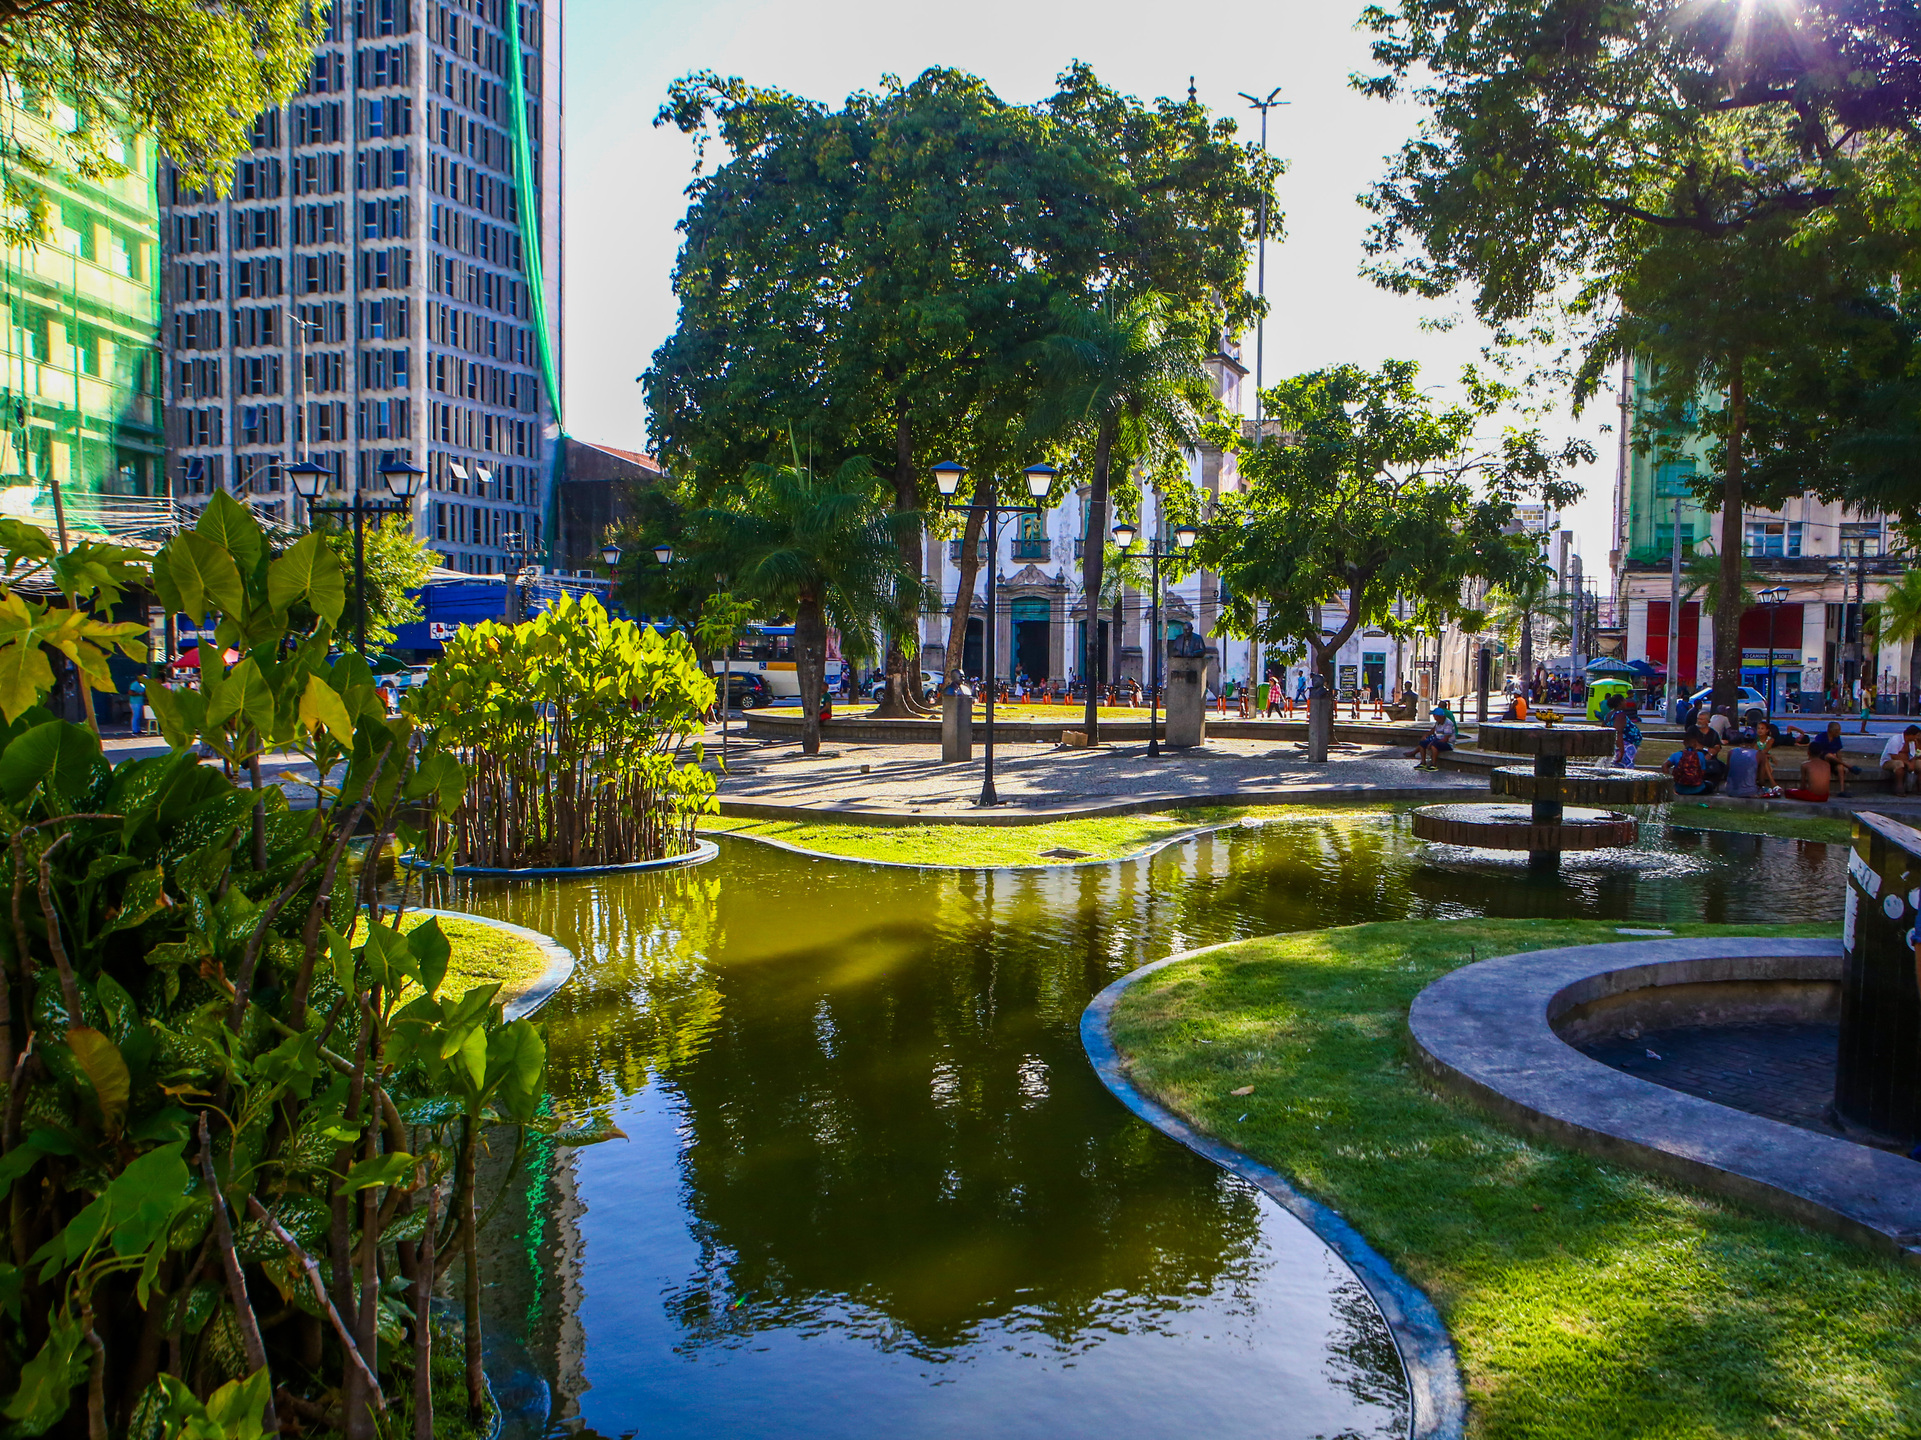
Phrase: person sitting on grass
{"type": "Point", "coordinates": [1827, 747]}
{"type": "Point", "coordinates": [1744, 766]}
{"type": "Point", "coordinates": [1688, 768]}
{"type": "Point", "coordinates": [1901, 760]}
{"type": "Point", "coordinates": [1438, 740]}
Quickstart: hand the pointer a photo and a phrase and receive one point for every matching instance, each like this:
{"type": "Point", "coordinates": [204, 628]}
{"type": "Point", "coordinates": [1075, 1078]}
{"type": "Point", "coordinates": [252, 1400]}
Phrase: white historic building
{"type": "Point", "coordinates": [1040, 613]}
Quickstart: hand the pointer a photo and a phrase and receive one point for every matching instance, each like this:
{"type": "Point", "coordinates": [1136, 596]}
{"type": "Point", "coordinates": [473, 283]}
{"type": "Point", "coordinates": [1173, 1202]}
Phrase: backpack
{"type": "Point", "coordinates": [1688, 769]}
{"type": "Point", "coordinates": [1631, 732]}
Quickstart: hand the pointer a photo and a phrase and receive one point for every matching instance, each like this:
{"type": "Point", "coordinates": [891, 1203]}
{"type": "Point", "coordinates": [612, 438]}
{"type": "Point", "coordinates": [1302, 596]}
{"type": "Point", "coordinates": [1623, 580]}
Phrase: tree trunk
{"type": "Point", "coordinates": [466, 1184]}
{"type": "Point", "coordinates": [810, 656]}
{"type": "Point", "coordinates": [901, 699]}
{"type": "Point", "coordinates": [1525, 658]}
{"type": "Point", "coordinates": [1093, 553]}
{"type": "Point", "coordinates": [1727, 616]}
{"type": "Point", "coordinates": [1320, 709]}
{"type": "Point", "coordinates": [970, 569]}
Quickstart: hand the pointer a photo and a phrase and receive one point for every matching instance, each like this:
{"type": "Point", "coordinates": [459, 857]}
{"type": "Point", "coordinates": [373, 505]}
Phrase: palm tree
{"type": "Point", "coordinates": [1514, 609]}
{"type": "Point", "coordinates": [1898, 617]}
{"type": "Point", "coordinates": [823, 548]}
{"type": "Point", "coordinates": [1702, 576]}
{"type": "Point", "coordinates": [1122, 376]}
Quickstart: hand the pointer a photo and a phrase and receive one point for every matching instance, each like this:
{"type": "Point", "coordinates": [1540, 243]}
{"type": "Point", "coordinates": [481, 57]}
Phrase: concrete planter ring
{"type": "Point", "coordinates": [703, 851]}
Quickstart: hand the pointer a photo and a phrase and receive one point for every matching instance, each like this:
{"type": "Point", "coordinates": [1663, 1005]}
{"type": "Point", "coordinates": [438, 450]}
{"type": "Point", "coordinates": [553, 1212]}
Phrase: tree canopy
{"type": "Point", "coordinates": [878, 279]}
{"type": "Point", "coordinates": [1380, 502]}
{"type": "Point", "coordinates": [193, 75]}
{"type": "Point", "coordinates": [1717, 187]}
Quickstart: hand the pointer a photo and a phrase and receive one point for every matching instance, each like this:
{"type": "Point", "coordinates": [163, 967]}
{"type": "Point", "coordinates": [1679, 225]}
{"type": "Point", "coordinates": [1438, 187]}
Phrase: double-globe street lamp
{"type": "Point", "coordinates": [1040, 480]}
{"type": "Point", "coordinates": [403, 478]}
{"type": "Point", "coordinates": [1184, 537]}
{"type": "Point", "coordinates": [1772, 598]}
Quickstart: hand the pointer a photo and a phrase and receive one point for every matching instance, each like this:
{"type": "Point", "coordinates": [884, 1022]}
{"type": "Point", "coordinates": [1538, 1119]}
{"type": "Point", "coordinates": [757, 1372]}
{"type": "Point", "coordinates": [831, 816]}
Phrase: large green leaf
{"type": "Point", "coordinates": [48, 1379]}
{"type": "Point", "coordinates": [320, 705]}
{"type": "Point", "coordinates": [202, 577]}
{"type": "Point", "coordinates": [61, 754]}
{"type": "Point", "coordinates": [231, 525]}
{"type": "Point", "coordinates": [100, 1058]}
{"type": "Point", "coordinates": [394, 1168]}
{"type": "Point", "coordinates": [308, 572]}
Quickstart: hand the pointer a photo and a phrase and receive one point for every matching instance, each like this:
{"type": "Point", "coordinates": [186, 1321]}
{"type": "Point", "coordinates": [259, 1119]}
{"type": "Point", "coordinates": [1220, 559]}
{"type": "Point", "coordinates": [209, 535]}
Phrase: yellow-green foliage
{"type": "Point", "coordinates": [570, 724]}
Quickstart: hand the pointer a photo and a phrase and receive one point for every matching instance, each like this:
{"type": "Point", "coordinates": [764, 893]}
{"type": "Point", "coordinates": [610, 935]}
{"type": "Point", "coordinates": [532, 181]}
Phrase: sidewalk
{"type": "Point", "coordinates": [908, 784]}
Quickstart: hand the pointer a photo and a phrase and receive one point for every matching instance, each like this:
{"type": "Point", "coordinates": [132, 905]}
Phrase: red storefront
{"type": "Point", "coordinates": [1759, 621]}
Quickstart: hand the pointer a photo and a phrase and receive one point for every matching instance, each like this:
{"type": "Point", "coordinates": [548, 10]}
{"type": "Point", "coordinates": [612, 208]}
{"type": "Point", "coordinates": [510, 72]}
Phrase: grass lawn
{"type": "Point", "coordinates": [1588, 1302]}
{"type": "Point", "coordinates": [483, 955]}
{"type": "Point", "coordinates": [1832, 829]}
{"type": "Point", "coordinates": [979, 846]}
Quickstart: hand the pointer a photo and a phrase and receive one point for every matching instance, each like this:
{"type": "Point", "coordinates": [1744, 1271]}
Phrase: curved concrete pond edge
{"type": "Point", "coordinates": [703, 851]}
{"type": "Point", "coordinates": [1437, 1400]}
{"type": "Point", "coordinates": [1486, 1032]}
{"type": "Point", "coordinates": [560, 960]}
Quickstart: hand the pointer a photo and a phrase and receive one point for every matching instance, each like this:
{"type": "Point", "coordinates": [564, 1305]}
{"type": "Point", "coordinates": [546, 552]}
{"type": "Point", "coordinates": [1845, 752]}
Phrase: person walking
{"type": "Point", "coordinates": [1867, 706]}
{"type": "Point", "coordinates": [137, 700]}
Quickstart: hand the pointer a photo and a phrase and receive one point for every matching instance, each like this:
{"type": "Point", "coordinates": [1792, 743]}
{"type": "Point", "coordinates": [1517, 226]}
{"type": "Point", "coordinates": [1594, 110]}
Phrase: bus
{"type": "Point", "coordinates": [768, 651]}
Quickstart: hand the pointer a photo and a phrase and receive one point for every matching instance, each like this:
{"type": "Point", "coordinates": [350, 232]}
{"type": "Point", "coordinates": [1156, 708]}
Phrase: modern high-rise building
{"type": "Point", "coordinates": [383, 280]}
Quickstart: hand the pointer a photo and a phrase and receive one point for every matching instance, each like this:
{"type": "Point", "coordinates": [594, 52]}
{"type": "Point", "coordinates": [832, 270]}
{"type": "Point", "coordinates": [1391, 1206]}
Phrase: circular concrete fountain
{"type": "Point", "coordinates": [1546, 826]}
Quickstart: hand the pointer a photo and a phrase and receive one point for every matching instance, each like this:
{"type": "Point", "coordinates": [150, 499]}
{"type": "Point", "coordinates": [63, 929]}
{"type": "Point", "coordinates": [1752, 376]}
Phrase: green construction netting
{"type": "Point", "coordinates": [79, 367]}
{"type": "Point", "coordinates": [529, 207]}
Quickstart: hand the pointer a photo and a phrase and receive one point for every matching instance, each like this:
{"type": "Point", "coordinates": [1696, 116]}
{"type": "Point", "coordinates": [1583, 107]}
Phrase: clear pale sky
{"type": "Point", "coordinates": [625, 179]}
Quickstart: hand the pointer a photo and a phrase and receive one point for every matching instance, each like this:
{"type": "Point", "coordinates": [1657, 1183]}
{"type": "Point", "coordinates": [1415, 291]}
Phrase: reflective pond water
{"type": "Point", "coordinates": [871, 1186]}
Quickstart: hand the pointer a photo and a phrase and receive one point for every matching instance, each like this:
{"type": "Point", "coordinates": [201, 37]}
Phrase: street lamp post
{"type": "Point", "coordinates": [1184, 537]}
{"type": "Point", "coordinates": [1772, 598]}
{"type": "Point", "coordinates": [403, 479]}
{"type": "Point", "coordinates": [1040, 480]}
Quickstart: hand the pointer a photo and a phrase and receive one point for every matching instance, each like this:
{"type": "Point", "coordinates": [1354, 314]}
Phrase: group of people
{"type": "Point", "coordinates": [1716, 754]}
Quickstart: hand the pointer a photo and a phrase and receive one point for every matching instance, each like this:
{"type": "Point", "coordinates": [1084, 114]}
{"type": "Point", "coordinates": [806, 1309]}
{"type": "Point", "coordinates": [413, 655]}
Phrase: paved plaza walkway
{"type": "Point", "coordinates": [895, 781]}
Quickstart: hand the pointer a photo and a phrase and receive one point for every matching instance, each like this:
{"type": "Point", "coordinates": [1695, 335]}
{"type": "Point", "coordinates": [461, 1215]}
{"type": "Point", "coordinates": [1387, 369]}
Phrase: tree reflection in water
{"type": "Point", "coordinates": [869, 1155]}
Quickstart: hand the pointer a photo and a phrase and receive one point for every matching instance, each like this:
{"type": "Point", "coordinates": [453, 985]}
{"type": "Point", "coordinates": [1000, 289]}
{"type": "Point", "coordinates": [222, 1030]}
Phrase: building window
{"type": "Point", "coordinates": [1767, 539]}
{"type": "Point", "coordinates": [1673, 479]}
{"type": "Point", "coordinates": [1664, 539]}
{"type": "Point", "coordinates": [1861, 537]}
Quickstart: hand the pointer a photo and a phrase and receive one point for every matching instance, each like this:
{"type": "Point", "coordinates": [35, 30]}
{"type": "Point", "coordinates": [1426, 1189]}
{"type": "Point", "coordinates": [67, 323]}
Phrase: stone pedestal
{"type": "Point", "coordinates": [1186, 692]}
{"type": "Point", "coordinates": [1877, 1076]}
{"type": "Point", "coordinates": [957, 725]}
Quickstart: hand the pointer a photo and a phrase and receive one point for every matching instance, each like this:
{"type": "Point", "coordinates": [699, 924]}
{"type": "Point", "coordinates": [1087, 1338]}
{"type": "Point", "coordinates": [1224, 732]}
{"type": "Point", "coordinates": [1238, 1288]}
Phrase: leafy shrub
{"type": "Point", "coordinates": [569, 726]}
{"type": "Point", "coordinates": [225, 1144]}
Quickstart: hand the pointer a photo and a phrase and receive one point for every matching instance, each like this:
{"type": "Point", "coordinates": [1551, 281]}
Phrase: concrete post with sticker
{"type": "Point", "coordinates": [1877, 1081]}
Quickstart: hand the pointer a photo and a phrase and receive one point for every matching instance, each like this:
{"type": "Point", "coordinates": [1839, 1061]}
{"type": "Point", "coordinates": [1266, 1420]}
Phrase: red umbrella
{"type": "Point", "coordinates": [198, 658]}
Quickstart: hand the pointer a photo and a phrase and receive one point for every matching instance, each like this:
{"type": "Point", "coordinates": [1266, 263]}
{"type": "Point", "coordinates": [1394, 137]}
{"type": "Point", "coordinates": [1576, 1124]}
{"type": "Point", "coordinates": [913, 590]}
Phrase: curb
{"type": "Point", "coordinates": [703, 851]}
{"type": "Point", "coordinates": [1436, 1397]}
{"type": "Point", "coordinates": [1138, 805]}
{"type": "Point", "coordinates": [560, 960]}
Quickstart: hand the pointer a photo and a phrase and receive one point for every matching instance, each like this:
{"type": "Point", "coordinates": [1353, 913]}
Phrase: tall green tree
{"type": "Point", "coordinates": [191, 74]}
{"type": "Point", "coordinates": [1378, 496]}
{"type": "Point", "coordinates": [1127, 383]}
{"type": "Point", "coordinates": [875, 277]}
{"type": "Point", "coordinates": [1654, 175]}
{"type": "Point", "coordinates": [821, 547]}
{"type": "Point", "coordinates": [397, 561]}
